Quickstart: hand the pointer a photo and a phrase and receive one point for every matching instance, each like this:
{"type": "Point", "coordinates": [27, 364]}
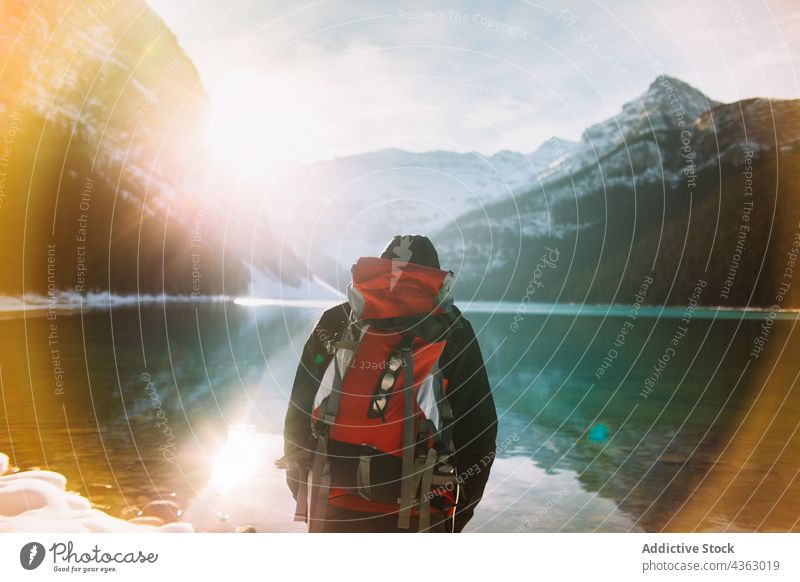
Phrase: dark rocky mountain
{"type": "Point", "coordinates": [678, 187]}
{"type": "Point", "coordinates": [102, 182]}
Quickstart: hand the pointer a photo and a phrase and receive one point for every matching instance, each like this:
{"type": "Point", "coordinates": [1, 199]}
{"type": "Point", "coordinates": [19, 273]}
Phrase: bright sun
{"type": "Point", "coordinates": [258, 125]}
{"type": "Point", "coordinates": [238, 459]}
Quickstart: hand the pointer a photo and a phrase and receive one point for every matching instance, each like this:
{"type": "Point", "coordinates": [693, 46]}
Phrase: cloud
{"type": "Point", "coordinates": [467, 76]}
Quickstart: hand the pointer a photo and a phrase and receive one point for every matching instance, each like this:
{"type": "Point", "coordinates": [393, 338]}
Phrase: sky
{"type": "Point", "coordinates": [313, 80]}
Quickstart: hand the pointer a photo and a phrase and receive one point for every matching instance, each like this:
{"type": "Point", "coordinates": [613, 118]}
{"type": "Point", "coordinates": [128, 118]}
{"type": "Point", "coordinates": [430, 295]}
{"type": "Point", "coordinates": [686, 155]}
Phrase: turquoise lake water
{"type": "Point", "coordinates": [671, 425]}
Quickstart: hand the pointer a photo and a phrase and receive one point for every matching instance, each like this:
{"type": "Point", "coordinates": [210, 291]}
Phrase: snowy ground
{"type": "Point", "coordinates": [64, 300]}
{"type": "Point", "coordinates": [37, 501]}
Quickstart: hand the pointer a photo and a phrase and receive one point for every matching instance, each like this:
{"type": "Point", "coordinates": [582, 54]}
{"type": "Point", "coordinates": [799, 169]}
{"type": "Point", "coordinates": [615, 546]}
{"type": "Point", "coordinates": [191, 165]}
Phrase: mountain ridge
{"type": "Point", "coordinates": [641, 188]}
{"type": "Point", "coordinates": [629, 190]}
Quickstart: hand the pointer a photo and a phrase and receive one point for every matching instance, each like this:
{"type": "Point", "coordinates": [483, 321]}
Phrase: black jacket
{"type": "Point", "coordinates": [468, 392]}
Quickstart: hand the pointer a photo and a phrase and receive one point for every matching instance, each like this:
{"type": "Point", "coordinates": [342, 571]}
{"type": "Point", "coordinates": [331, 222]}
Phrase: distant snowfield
{"type": "Point", "coordinates": [574, 309]}
{"type": "Point", "coordinates": [352, 206]}
{"type": "Point", "coordinates": [37, 501]}
{"type": "Point", "coordinates": [73, 301]}
{"type": "Point", "coordinates": [314, 291]}
{"type": "Point", "coordinates": [307, 299]}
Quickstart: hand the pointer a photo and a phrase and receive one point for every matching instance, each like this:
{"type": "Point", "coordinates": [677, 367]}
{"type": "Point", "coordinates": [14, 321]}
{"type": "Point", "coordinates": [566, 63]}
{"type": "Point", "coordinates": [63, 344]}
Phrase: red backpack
{"type": "Point", "coordinates": [380, 418]}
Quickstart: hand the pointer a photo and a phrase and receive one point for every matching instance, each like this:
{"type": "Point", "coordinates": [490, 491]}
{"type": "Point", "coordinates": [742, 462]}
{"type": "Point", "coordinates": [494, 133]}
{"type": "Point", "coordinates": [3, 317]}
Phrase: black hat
{"type": "Point", "coordinates": [412, 248]}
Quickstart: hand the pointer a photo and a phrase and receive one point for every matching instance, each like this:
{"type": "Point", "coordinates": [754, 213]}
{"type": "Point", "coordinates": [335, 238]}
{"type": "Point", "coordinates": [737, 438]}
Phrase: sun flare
{"type": "Point", "coordinates": [237, 460]}
{"type": "Point", "coordinates": [258, 125]}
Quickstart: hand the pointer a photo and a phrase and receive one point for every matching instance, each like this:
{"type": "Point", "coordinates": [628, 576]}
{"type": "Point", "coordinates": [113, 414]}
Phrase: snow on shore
{"type": "Point", "coordinates": [36, 501]}
{"type": "Point", "coordinates": [64, 300]}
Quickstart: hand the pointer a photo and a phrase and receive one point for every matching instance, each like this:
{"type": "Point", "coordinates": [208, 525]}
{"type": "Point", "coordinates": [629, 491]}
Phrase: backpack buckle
{"type": "Point", "coordinates": [364, 473]}
{"type": "Point", "coordinates": [320, 429]}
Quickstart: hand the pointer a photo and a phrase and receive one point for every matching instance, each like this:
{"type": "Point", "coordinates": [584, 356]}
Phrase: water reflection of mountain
{"type": "Point", "coordinates": [106, 429]}
{"type": "Point", "coordinates": [705, 450]}
{"type": "Point", "coordinates": [652, 456]}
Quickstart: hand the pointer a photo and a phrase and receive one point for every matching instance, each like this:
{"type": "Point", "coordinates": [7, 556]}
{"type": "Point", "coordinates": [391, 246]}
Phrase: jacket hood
{"type": "Point", "coordinates": [384, 288]}
{"type": "Point", "coordinates": [412, 248]}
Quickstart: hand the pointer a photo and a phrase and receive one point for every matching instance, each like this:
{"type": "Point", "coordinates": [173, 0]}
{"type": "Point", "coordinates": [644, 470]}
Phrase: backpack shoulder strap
{"type": "Point", "coordinates": [407, 471]}
{"type": "Point", "coordinates": [320, 470]}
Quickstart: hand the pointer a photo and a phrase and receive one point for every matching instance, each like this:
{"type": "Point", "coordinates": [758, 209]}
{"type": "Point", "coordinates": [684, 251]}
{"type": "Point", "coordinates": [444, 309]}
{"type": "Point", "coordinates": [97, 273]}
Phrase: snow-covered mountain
{"type": "Point", "coordinates": [666, 103]}
{"type": "Point", "coordinates": [340, 209]}
{"type": "Point", "coordinates": [621, 202]}
{"type": "Point", "coordinates": [660, 188]}
{"type": "Point", "coordinates": [105, 108]}
{"type": "Point", "coordinates": [351, 206]}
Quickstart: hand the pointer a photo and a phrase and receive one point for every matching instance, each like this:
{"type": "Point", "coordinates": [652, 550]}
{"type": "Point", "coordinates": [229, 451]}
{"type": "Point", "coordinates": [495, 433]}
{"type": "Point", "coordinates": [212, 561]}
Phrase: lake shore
{"type": "Point", "coordinates": [38, 501]}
